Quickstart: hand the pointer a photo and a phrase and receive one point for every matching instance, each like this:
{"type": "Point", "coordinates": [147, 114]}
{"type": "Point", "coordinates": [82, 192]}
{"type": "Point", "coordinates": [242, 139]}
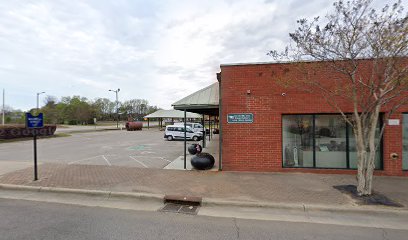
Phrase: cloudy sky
{"type": "Point", "coordinates": [158, 50]}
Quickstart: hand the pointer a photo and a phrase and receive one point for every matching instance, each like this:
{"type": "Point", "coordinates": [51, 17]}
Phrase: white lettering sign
{"type": "Point", "coordinates": [393, 122]}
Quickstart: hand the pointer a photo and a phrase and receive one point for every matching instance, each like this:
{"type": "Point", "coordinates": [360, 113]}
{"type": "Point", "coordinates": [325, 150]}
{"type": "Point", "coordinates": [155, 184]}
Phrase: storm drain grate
{"type": "Point", "coordinates": [181, 204]}
{"type": "Point", "coordinates": [180, 208]}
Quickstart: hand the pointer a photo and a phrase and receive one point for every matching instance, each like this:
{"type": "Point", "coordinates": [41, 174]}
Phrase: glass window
{"type": "Point", "coordinates": [297, 141]}
{"type": "Point", "coordinates": [405, 142]}
{"type": "Point", "coordinates": [330, 141]}
{"type": "Point", "coordinates": [325, 141]}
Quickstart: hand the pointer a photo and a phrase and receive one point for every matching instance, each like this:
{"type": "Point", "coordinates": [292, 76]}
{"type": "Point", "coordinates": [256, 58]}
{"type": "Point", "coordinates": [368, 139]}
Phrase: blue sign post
{"type": "Point", "coordinates": [33, 122]}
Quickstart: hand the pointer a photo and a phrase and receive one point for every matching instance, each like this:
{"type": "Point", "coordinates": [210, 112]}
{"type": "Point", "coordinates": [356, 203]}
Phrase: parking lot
{"type": "Point", "coordinates": [145, 149]}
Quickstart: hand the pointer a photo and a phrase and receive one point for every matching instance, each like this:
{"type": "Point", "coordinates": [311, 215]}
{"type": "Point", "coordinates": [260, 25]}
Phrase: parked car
{"type": "Point", "coordinates": [177, 132]}
{"type": "Point", "coordinates": [196, 127]}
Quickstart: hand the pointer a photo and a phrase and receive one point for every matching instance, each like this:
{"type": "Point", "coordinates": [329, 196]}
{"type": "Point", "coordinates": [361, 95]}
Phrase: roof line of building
{"type": "Point", "coordinates": [285, 62]}
{"type": "Point", "coordinates": [192, 94]}
{"type": "Point", "coordinates": [260, 63]}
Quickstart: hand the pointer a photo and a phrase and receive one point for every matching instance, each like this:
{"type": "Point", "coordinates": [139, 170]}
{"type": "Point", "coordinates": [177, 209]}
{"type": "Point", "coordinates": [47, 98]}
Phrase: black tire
{"type": "Point", "coordinates": [169, 138]}
{"type": "Point", "coordinates": [194, 149]}
{"type": "Point", "coordinates": [195, 138]}
{"type": "Point", "coordinates": [202, 161]}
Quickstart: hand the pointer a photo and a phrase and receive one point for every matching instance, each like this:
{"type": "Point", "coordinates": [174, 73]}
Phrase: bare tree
{"type": "Point", "coordinates": [135, 108]}
{"type": "Point", "coordinates": [369, 50]}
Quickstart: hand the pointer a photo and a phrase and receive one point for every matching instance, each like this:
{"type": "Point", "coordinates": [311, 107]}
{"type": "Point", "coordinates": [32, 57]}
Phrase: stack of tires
{"type": "Point", "coordinates": [200, 160]}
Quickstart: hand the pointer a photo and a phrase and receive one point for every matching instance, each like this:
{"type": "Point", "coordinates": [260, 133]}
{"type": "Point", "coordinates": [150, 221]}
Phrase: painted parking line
{"type": "Point", "coordinates": [147, 152]}
{"type": "Point", "coordinates": [90, 158]}
{"type": "Point", "coordinates": [107, 161]}
{"type": "Point", "coordinates": [144, 165]}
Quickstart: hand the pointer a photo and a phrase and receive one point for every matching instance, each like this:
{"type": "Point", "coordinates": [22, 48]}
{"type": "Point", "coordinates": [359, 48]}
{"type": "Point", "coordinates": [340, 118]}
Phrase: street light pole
{"type": "Point", "coordinates": [3, 110]}
{"type": "Point", "coordinates": [117, 106]}
{"type": "Point", "coordinates": [38, 99]}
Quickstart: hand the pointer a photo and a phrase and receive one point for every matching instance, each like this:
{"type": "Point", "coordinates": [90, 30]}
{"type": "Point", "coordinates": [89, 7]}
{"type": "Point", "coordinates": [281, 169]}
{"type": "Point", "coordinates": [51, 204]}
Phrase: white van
{"type": "Point", "coordinates": [197, 127]}
{"type": "Point", "coordinates": [177, 132]}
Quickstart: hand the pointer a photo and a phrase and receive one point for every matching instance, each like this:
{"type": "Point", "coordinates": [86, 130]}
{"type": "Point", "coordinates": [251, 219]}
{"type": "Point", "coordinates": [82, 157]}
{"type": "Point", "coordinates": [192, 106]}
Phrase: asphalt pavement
{"type": "Point", "coordinates": [35, 220]}
{"type": "Point", "coordinates": [143, 149]}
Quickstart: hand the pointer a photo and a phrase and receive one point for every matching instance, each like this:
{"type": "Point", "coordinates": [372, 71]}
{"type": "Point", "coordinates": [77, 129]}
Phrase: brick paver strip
{"type": "Point", "coordinates": [275, 187]}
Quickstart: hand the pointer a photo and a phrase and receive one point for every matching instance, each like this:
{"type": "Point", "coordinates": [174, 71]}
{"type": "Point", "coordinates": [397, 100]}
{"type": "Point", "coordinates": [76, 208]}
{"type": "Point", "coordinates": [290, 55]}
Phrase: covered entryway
{"type": "Point", "coordinates": [206, 103]}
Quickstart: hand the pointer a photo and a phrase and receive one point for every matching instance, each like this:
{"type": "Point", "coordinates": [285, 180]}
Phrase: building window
{"type": "Point", "coordinates": [330, 140]}
{"type": "Point", "coordinates": [321, 141]}
{"type": "Point", "coordinates": [405, 141]}
{"type": "Point", "coordinates": [297, 141]}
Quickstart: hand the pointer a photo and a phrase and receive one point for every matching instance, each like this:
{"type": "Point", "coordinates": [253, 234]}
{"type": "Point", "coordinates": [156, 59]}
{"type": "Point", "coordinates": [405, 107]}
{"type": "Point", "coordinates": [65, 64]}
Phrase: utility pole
{"type": "Point", "coordinates": [117, 106]}
{"type": "Point", "coordinates": [3, 109]}
{"type": "Point", "coordinates": [38, 99]}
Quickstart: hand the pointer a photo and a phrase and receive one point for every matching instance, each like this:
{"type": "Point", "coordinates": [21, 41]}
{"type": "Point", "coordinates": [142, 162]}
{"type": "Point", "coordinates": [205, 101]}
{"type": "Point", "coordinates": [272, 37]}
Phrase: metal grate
{"type": "Point", "coordinates": [180, 208]}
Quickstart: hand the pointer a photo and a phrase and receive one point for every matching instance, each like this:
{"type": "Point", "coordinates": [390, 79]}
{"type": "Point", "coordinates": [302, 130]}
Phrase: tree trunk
{"type": "Point", "coordinates": [366, 152]}
{"type": "Point", "coordinates": [365, 172]}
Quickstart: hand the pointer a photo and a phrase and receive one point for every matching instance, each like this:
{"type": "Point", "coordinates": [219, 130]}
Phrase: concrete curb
{"type": "Point", "coordinates": [101, 193]}
{"type": "Point", "coordinates": [19, 187]}
{"type": "Point", "coordinates": [89, 130]}
{"type": "Point", "coordinates": [145, 196]}
{"type": "Point", "coordinates": [302, 207]}
{"type": "Point", "coordinates": [211, 202]}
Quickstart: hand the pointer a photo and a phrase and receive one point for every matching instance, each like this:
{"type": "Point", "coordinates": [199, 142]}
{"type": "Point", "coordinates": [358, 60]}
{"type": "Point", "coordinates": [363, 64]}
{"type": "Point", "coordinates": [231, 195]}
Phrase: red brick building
{"type": "Point", "coordinates": [289, 129]}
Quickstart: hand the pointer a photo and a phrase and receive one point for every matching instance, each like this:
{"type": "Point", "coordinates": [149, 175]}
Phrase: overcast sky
{"type": "Point", "coordinates": [156, 50]}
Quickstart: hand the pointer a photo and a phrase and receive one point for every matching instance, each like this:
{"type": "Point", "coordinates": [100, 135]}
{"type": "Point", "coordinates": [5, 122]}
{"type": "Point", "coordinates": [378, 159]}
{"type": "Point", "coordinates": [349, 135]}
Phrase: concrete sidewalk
{"type": "Point", "coordinates": [248, 188]}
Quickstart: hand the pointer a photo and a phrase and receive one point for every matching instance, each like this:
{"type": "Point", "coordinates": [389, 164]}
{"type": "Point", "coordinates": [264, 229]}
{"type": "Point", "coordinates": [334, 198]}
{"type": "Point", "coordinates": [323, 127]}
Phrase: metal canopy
{"type": "Point", "coordinates": [172, 114]}
{"type": "Point", "coordinates": [204, 101]}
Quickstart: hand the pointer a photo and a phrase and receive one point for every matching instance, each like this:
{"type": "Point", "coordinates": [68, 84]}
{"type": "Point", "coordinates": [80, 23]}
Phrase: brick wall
{"type": "Point", "coordinates": [258, 146]}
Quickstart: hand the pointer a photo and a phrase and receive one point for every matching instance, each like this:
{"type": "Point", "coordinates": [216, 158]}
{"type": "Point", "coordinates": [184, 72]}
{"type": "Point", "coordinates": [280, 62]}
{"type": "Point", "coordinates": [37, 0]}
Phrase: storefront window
{"type": "Point", "coordinates": [297, 141]}
{"type": "Point", "coordinates": [405, 142]}
{"type": "Point", "coordinates": [330, 135]}
{"type": "Point", "coordinates": [333, 141]}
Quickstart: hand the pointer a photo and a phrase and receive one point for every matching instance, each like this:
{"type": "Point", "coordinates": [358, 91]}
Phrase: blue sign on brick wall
{"type": "Point", "coordinates": [34, 121]}
{"type": "Point", "coordinates": [240, 118]}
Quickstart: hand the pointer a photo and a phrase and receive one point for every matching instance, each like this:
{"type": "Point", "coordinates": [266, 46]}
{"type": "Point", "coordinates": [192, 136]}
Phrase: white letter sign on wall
{"type": "Point", "coordinates": [393, 122]}
{"type": "Point", "coordinates": [240, 118]}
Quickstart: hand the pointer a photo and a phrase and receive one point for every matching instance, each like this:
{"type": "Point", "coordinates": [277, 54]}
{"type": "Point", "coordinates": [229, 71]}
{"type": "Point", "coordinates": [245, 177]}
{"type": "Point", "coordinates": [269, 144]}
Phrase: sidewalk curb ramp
{"type": "Point", "coordinates": [211, 202]}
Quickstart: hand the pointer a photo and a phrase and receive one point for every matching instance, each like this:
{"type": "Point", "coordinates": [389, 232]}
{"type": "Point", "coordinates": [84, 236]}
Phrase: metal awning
{"type": "Point", "coordinates": [172, 114]}
{"type": "Point", "coordinates": [204, 101]}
